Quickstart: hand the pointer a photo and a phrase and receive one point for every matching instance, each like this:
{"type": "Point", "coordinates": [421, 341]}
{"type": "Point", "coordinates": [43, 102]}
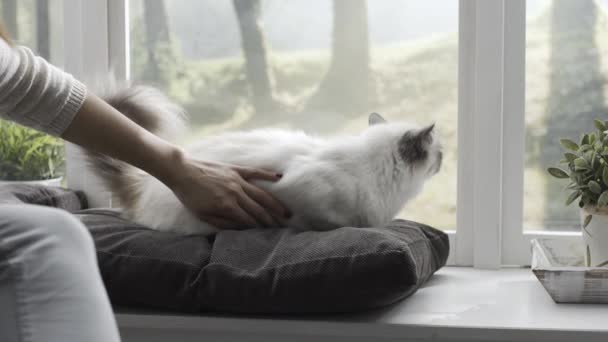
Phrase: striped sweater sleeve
{"type": "Point", "coordinates": [36, 94]}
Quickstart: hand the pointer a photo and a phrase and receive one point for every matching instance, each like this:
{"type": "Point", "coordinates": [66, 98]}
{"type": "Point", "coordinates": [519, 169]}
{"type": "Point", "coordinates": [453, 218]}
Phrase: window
{"type": "Point", "coordinates": [565, 90]}
{"type": "Point", "coordinates": [491, 70]}
{"type": "Point", "coordinates": [26, 154]}
{"type": "Point", "coordinates": [37, 24]}
{"type": "Point", "coordinates": [398, 58]}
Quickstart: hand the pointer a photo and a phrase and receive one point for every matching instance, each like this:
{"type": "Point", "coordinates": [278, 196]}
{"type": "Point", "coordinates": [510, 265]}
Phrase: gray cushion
{"type": "Point", "coordinates": [264, 270]}
{"type": "Point", "coordinates": [42, 195]}
{"type": "Point", "coordinates": [255, 270]}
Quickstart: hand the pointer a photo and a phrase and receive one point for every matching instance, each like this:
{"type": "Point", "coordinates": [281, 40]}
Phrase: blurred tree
{"type": "Point", "coordinates": [576, 94]}
{"type": "Point", "coordinates": [253, 44]}
{"type": "Point", "coordinates": [9, 17]}
{"type": "Point", "coordinates": [43, 28]}
{"type": "Point", "coordinates": [157, 41]}
{"type": "Point", "coordinates": [347, 84]}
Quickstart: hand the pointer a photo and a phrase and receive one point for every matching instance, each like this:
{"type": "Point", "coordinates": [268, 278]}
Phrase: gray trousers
{"type": "Point", "coordinates": [50, 287]}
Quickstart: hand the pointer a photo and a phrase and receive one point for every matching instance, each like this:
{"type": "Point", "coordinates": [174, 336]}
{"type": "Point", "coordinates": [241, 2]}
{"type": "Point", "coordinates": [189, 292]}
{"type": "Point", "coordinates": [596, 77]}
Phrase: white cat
{"type": "Point", "coordinates": [357, 181]}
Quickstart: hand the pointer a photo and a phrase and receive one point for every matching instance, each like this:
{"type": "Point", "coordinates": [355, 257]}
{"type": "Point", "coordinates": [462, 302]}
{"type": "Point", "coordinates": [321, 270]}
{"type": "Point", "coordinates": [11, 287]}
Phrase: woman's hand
{"type": "Point", "coordinates": [216, 193]}
{"type": "Point", "coordinates": [223, 196]}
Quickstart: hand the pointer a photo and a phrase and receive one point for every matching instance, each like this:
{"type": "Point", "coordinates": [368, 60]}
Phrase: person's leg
{"type": "Point", "coordinates": [50, 287]}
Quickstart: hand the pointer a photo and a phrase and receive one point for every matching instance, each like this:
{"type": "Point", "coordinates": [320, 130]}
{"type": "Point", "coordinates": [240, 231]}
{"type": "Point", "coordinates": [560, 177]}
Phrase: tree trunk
{"type": "Point", "coordinates": [43, 28]}
{"type": "Point", "coordinates": [156, 24]}
{"type": "Point", "coordinates": [253, 44]}
{"type": "Point", "coordinates": [347, 84]}
{"type": "Point", "coordinates": [576, 94]}
{"type": "Point", "coordinates": [9, 16]}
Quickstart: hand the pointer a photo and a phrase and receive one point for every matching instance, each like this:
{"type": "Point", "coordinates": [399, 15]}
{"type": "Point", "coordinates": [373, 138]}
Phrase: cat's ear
{"type": "Point", "coordinates": [426, 134]}
{"type": "Point", "coordinates": [413, 145]}
{"type": "Point", "coordinates": [375, 118]}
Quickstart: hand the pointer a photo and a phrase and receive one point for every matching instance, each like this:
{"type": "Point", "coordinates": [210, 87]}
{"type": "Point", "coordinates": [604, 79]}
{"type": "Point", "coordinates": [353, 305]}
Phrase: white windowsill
{"type": "Point", "coordinates": [457, 304]}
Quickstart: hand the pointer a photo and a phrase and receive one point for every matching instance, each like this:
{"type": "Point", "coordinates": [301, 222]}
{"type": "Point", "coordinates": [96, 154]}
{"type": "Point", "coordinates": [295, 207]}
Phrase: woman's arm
{"type": "Point", "coordinates": [219, 194]}
{"type": "Point", "coordinates": [38, 95]}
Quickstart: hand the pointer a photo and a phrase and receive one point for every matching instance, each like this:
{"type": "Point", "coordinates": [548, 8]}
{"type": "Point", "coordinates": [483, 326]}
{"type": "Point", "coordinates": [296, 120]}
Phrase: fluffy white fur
{"type": "Point", "coordinates": [359, 181]}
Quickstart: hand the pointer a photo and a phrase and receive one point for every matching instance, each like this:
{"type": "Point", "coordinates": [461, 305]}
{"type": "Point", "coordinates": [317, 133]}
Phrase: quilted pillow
{"type": "Point", "coordinates": [255, 270]}
{"type": "Point", "coordinates": [42, 195]}
{"type": "Point", "coordinates": [264, 270]}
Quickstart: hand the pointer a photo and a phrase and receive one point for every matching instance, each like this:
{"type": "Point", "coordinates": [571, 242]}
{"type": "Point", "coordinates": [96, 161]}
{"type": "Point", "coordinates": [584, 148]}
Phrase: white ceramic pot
{"type": "Point", "coordinates": [595, 237]}
{"type": "Point", "coordinates": [46, 182]}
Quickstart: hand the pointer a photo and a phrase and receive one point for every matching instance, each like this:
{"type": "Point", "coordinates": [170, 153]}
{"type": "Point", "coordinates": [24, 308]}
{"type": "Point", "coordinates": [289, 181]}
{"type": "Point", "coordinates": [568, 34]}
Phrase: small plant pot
{"type": "Point", "coordinates": [595, 237]}
{"type": "Point", "coordinates": [45, 182]}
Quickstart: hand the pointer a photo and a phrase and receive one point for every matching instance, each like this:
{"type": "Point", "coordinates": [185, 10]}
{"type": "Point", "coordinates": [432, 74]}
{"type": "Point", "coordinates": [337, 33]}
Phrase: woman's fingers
{"type": "Point", "coordinates": [221, 194]}
{"type": "Point", "coordinates": [260, 196]}
{"type": "Point", "coordinates": [267, 201]}
{"type": "Point", "coordinates": [250, 173]}
{"type": "Point", "coordinates": [240, 217]}
{"type": "Point", "coordinates": [234, 218]}
{"type": "Point", "coordinates": [256, 210]}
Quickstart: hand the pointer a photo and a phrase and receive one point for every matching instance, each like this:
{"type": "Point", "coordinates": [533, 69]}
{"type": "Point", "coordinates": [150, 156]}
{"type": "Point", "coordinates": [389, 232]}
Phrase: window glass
{"type": "Point", "coordinates": [566, 69]}
{"type": "Point", "coordinates": [294, 70]}
{"type": "Point", "coordinates": [37, 24]}
{"type": "Point", "coordinates": [24, 153]}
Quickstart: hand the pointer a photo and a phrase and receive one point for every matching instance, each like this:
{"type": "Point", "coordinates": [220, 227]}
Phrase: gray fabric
{"type": "Point", "coordinates": [342, 270]}
{"type": "Point", "coordinates": [50, 288]}
{"type": "Point", "coordinates": [143, 267]}
{"type": "Point", "coordinates": [258, 270]}
{"type": "Point", "coordinates": [264, 270]}
{"type": "Point", "coordinates": [42, 195]}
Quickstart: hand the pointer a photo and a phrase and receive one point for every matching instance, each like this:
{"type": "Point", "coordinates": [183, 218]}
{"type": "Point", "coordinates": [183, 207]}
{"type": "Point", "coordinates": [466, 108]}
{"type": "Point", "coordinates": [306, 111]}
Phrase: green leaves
{"type": "Point", "coordinates": [26, 154]}
{"type": "Point", "coordinates": [557, 173]}
{"type": "Point", "coordinates": [587, 221]}
{"type": "Point", "coordinates": [569, 144]}
{"type": "Point", "coordinates": [592, 138]}
{"type": "Point", "coordinates": [584, 148]}
{"type": "Point", "coordinates": [581, 163]}
{"type": "Point", "coordinates": [570, 156]}
{"type": "Point", "coordinates": [572, 197]}
{"type": "Point", "coordinates": [595, 187]}
{"type": "Point", "coordinates": [603, 199]}
{"type": "Point", "coordinates": [586, 166]}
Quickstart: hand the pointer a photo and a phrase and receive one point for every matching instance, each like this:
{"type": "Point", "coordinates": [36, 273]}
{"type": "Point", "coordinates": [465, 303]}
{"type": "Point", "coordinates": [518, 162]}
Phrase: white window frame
{"type": "Point", "coordinates": [491, 121]}
{"type": "Point", "coordinates": [498, 130]}
{"type": "Point", "coordinates": [516, 238]}
{"type": "Point", "coordinates": [96, 45]}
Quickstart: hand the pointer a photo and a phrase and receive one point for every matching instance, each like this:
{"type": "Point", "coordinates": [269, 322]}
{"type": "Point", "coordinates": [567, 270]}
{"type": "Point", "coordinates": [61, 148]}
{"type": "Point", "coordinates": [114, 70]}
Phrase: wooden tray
{"type": "Point", "coordinates": [559, 266]}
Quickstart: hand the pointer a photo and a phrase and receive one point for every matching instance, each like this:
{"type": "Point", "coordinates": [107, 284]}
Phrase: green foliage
{"type": "Point", "coordinates": [569, 144]}
{"type": "Point", "coordinates": [586, 168]}
{"type": "Point", "coordinates": [587, 220]}
{"type": "Point", "coordinates": [26, 154]}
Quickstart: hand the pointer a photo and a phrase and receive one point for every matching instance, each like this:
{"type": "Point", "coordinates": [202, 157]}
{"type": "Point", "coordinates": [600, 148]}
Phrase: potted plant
{"type": "Point", "coordinates": [28, 156]}
{"type": "Point", "coordinates": [586, 166]}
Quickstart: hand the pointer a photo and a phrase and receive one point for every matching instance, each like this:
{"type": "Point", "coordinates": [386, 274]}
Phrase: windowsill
{"type": "Point", "coordinates": [456, 304]}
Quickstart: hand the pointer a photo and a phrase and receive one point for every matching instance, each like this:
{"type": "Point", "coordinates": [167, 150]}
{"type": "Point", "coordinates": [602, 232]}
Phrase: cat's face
{"type": "Point", "coordinates": [418, 148]}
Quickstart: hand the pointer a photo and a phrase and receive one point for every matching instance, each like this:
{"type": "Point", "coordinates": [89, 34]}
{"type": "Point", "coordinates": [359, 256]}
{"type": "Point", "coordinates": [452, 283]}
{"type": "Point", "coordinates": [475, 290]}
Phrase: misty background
{"type": "Point", "coordinates": [323, 65]}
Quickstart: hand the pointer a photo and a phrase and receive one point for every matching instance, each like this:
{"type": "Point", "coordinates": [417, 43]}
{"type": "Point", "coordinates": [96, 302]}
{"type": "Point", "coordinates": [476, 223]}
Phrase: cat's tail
{"type": "Point", "coordinates": [150, 109]}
